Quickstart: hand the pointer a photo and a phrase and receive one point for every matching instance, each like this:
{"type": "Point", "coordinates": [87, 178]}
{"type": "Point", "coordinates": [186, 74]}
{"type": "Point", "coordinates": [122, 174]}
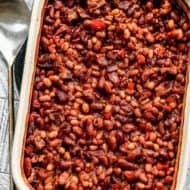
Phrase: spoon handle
{"type": "Point", "coordinates": [10, 119]}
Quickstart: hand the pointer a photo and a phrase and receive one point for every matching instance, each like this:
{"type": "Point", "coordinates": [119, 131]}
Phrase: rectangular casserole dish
{"type": "Point", "coordinates": [24, 108]}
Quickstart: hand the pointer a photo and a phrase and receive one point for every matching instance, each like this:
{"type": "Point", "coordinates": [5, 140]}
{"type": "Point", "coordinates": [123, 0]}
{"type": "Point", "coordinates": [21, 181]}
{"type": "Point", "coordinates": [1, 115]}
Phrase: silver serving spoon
{"type": "Point", "coordinates": [14, 21]}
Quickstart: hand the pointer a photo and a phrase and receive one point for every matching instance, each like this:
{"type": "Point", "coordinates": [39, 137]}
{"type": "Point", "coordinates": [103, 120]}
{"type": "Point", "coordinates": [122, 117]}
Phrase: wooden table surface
{"type": "Point", "coordinates": [4, 159]}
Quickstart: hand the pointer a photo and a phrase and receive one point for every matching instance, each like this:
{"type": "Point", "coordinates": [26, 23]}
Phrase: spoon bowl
{"type": "Point", "coordinates": [14, 20]}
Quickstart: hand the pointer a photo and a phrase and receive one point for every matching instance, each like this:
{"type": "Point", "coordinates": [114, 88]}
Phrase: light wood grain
{"type": "Point", "coordinates": [4, 158]}
{"type": "Point", "coordinates": [4, 179]}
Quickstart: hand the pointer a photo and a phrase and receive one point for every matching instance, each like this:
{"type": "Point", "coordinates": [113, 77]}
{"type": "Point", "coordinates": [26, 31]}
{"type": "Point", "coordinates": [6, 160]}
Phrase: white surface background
{"type": "Point", "coordinates": [4, 167]}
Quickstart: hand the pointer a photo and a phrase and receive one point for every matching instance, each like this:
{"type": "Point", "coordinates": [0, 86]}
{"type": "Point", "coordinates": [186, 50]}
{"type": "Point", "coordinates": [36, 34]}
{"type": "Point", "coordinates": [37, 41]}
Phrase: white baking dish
{"type": "Point", "coordinates": [24, 107]}
{"type": "Point", "coordinates": [25, 95]}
